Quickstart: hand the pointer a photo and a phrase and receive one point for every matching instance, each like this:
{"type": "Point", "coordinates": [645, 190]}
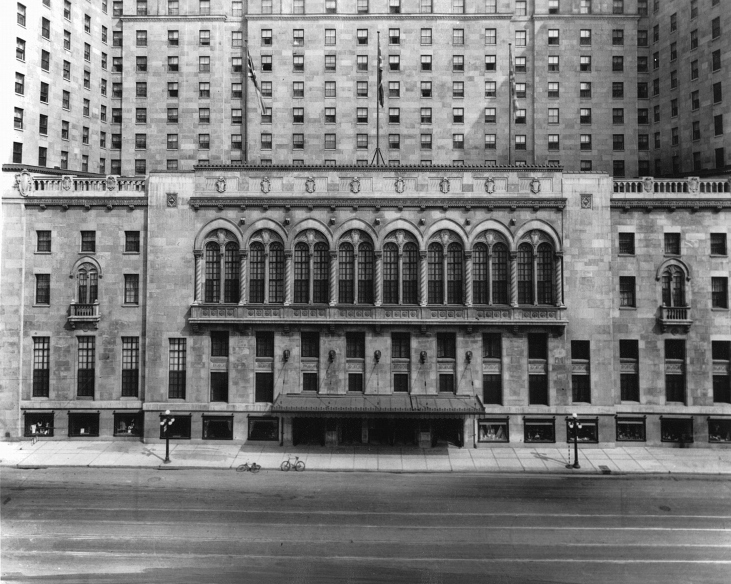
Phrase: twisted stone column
{"type": "Point", "coordinates": [468, 278]}
{"type": "Point", "coordinates": [198, 254]}
{"type": "Point", "coordinates": [333, 277]}
{"type": "Point", "coordinates": [424, 278]}
{"type": "Point", "coordinates": [287, 277]}
{"type": "Point", "coordinates": [379, 277]}
{"type": "Point", "coordinates": [243, 257]}
{"type": "Point", "coordinates": [558, 275]}
{"type": "Point", "coordinates": [514, 279]}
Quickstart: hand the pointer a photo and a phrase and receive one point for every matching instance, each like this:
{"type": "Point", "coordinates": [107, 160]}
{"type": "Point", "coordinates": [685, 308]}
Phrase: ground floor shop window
{"type": "Point", "coordinates": [719, 430]}
{"type": "Point", "coordinates": [588, 431]}
{"type": "Point", "coordinates": [540, 430]}
{"type": "Point", "coordinates": [83, 424]}
{"type": "Point", "coordinates": [630, 429]}
{"type": "Point", "coordinates": [264, 429]}
{"type": "Point", "coordinates": [38, 424]}
{"type": "Point", "coordinates": [218, 427]}
{"type": "Point", "coordinates": [128, 423]}
{"type": "Point", "coordinates": [179, 429]}
{"type": "Point", "coordinates": [676, 429]}
{"type": "Point", "coordinates": [492, 431]}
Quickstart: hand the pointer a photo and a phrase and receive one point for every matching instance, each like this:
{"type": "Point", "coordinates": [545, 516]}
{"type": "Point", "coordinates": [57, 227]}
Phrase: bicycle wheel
{"type": "Point", "coordinates": [242, 468]}
{"type": "Point", "coordinates": [255, 467]}
{"type": "Point", "coordinates": [285, 466]}
{"type": "Point", "coordinates": [300, 466]}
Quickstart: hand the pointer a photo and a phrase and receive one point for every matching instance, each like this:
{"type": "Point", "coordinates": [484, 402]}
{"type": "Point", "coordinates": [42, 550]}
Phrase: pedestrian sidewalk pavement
{"type": "Point", "coordinates": [539, 459]}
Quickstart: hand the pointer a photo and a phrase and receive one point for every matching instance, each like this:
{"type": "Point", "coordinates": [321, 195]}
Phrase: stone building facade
{"type": "Point", "coordinates": [342, 305]}
{"type": "Point", "coordinates": [129, 87]}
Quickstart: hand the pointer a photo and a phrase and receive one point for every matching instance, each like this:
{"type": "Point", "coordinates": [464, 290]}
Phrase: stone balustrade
{"type": "Point", "coordinates": [693, 184]}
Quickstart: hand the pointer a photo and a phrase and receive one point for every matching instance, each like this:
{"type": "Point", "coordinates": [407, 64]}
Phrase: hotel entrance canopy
{"type": "Point", "coordinates": [393, 406]}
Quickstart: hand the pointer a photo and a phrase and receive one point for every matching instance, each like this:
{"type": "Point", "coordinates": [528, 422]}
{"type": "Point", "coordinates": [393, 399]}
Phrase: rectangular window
{"type": "Point", "coordinates": [675, 370]}
{"type": "Point", "coordinates": [458, 89]}
{"type": "Point", "coordinates": [85, 371]}
{"type": "Point", "coordinates": [130, 366]}
{"type": "Point", "coordinates": [490, 89]}
{"type": "Point", "coordinates": [627, 291]}
{"type": "Point", "coordinates": [425, 6]}
{"type": "Point", "coordinates": [490, 115]}
{"type": "Point", "coordinates": [330, 37]}
{"type": "Point", "coordinates": [204, 38]}
{"type": "Point", "coordinates": [718, 244]}
{"type": "Point", "coordinates": [354, 345]}
{"type": "Point", "coordinates": [672, 243]}
{"type": "Point", "coordinates": [618, 142]}
{"type": "Point", "coordinates": [521, 37]}
{"type": "Point", "coordinates": [426, 141]}
{"type": "Point", "coordinates": [41, 369]}
{"type": "Point", "coordinates": [446, 346]}
{"type": "Point", "coordinates": [719, 292]}
{"type": "Point", "coordinates": [131, 288]}
{"type": "Point", "coordinates": [716, 28]}
{"type": "Point", "coordinates": [177, 367]}
{"type": "Point", "coordinates": [264, 344]}
{"type": "Point", "coordinates": [627, 243]}
{"type": "Point", "coordinates": [43, 288]}
{"type": "Point", "coordinates": [721, 355]}
{"type": "Point", "coordinates": [490, 141]}
{"type": "Point", "coordinates": [676, 430]}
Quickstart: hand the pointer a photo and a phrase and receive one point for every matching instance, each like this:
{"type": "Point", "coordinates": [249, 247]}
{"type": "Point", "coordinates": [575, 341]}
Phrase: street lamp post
{"type": "Point", "coordinates": [575, 426]}
{"type": "Point", "coordinates": [166, 421]}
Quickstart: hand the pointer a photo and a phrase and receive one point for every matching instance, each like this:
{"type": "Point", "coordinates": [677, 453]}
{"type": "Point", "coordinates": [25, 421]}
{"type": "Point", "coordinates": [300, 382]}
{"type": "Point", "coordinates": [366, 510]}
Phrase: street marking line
{"type": "Point", "coordinates": [26, 507]}
{"type": "Point", "coordinates": [386, 526]}
{"type": "Point", "coordinates": [309, 558]}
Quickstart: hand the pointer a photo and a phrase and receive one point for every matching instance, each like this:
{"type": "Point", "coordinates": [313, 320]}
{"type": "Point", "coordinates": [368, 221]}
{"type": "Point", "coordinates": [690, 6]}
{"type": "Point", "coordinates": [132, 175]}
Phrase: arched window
{"type": "Point", "coordinates": [544, 276]}
{"type": "Point", "coordinates": [525, 274]}
{"type": "Point", "coordinates": [276, 273]}
{"type": "Point", "coordinates": [213, 272]}
{"type": "Point", "coordinates": [346, 269]}
{"type": "Point", "coordinates": [479, 273]}
{"type": "Point", "coordinates": [301, 273]}
{"type": "Point", "coordinates": [221, 268]}
{"type": "Point", "coordinates": [435, 259]}
{"type": "Point", "coordinates": [390, 273]}
{"type": "Point", "coordinates": [500, 274]}
{"type": "Point", "coordinates": [455, 267]}
{"type": "Point", "coordinates": [410, 264]}
{"type": "Point", "coordinates": [365, 273]}
{"type": "Point", "coordinates": [673, 287]}
{"type": "Point", "coordinates": [321, 275]}
{"type": "Point", "coordinates": [256, 273]}
{"type": "Point", "coordinates": [311, 273]}
{"type": "Point", "coordinates": [232, 273]}
{"type": "Point", "coordinates": [88, 284]}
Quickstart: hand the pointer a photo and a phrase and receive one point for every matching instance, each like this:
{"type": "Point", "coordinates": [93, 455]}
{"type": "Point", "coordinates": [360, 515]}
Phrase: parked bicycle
{"type": "Point", "coordinates": [297, 465]}
{"type": "Point", "coordinates": [253, 467]}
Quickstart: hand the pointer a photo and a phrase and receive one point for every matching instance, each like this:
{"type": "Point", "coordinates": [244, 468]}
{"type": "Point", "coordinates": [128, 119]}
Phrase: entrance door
{"type": "Point", "coordinates": [446, 432]}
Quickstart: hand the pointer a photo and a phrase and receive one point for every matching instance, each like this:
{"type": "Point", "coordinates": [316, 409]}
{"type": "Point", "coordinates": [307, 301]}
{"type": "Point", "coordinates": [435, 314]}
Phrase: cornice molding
{"type": "Point", "coordinates": [345, 200]}
{"type": "Point", "coordinates": [389, 17]}
{"type": "Point", "coordinates": [173, 18]}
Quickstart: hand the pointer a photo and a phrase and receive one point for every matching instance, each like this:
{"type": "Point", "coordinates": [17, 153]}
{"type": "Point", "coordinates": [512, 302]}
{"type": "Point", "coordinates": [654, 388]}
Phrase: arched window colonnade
{"type": "Point", "coordinates": [356, 266]}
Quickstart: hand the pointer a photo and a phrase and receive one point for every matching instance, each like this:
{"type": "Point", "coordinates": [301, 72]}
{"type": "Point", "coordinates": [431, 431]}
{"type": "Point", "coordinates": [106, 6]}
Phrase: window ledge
{"type": "Point", "coordinates": [719, 309]}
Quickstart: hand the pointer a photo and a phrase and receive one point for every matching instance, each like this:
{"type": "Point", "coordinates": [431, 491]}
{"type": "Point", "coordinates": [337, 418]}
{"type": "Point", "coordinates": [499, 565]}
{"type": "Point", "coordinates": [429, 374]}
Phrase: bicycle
{"type": "Point", "coordinates": [298, 464]}
{"type": "Point", "coordinates": [253, 467]}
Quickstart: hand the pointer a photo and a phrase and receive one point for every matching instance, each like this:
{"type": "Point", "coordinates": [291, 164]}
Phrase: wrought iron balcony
{"type": "Point", "coordinates": [84, 314]}
{"type": "Point", "coordinates": [675, 317]}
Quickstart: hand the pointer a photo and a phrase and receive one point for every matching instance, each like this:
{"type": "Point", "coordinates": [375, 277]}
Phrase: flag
{"type": "Point", "coordinates": [252, 76]}
{"type": "Point", "coordinates": [380, 75]}
{"type": "Point", "coordinates": [513, 93]}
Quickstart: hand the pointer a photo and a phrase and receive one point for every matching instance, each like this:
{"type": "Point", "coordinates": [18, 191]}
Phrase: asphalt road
{"type": "Point", "coordinates": [134, 526]}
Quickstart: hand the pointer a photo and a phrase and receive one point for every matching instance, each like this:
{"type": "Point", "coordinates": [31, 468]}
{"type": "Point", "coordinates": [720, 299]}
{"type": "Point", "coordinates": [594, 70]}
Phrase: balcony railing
{"type": "Point", "coordinates": [692, 184]}
{"type": "Point", "coordinates": [84, 314]}
{"type": "Point", "coordinates": [675, 317]}
{"type": "Point", "coordinates": [469, 316]}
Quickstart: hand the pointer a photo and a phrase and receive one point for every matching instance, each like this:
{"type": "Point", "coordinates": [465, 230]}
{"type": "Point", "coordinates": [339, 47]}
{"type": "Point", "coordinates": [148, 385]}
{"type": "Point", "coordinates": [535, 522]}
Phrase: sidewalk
{"type": "Point", "coordinates": [105, 454]}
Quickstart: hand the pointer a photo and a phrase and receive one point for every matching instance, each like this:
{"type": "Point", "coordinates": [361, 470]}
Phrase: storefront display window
{"type": "Point", "coordinates": [719, 430]}
{"type": "Point", "coordinates": [128, 423]}
{"type": "Point", "coordinates": [263, 428]}
{"type": "Point", "coordinates": [38, 424]}
{"type": "Point", "coordinates": [537, 430]}
{"type": "Point", "coordinates": [588, 431]}
{"type": "Point", "coordinates": [676, 429]}
{"type": "Point", "coordinates": [631, 429]}
{"type": "Point", "coordinates": [492, 431]}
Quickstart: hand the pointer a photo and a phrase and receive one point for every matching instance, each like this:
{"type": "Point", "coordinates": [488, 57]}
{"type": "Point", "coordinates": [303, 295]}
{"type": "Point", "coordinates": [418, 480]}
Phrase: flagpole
{"type": "Point", "coordinates": [245, 73]}
{"type": "Point", "coordinates": [511, 79]}
{"type": "Point", "coordinates": [377, 156]}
